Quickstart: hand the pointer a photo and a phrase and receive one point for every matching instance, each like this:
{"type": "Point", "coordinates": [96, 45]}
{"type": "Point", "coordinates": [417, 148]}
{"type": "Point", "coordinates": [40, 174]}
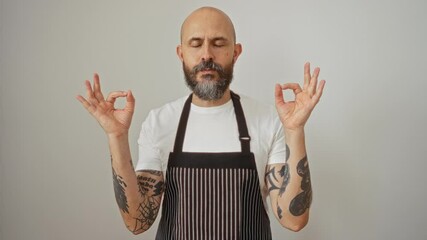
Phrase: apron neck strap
{"type": "Point", "coordinates": [240, 117]}
{"type": "Point", "coordinates": [244, 137]}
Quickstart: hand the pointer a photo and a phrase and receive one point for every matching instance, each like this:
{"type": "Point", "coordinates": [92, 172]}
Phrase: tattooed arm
{"type": "Point", "coordinates": [138, 195]}
{"type": "Point", "coordinates": [289, 185]}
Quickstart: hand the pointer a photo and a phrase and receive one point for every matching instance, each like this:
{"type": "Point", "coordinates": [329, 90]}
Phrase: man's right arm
{"type": "Point", "coordinates": [138, 194]}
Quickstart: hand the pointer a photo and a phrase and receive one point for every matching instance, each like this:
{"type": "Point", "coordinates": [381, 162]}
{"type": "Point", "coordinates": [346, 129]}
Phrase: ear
{"type": "Point", "coordinates": [237, 51]}
{"type": "Point", "coordinates": [179, 52]}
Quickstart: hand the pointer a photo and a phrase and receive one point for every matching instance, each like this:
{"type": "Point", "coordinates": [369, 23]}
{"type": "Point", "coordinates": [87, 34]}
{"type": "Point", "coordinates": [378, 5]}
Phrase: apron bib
{"type": "Point", "coordinates": [213, 195]}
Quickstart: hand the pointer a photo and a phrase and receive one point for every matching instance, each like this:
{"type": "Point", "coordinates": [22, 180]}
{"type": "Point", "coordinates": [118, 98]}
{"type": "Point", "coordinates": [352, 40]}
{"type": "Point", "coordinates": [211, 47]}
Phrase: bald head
{"type": "Point", "coordinates": [209, 18]}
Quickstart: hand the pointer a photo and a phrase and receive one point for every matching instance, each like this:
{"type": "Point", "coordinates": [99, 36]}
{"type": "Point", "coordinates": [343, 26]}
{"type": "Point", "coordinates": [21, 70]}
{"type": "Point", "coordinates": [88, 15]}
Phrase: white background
{"type": "Point", "coordinates": [366, 138]}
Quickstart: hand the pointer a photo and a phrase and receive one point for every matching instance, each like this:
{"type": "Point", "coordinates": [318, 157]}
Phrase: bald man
{"type": "Point", "coordinates": [214, 157]}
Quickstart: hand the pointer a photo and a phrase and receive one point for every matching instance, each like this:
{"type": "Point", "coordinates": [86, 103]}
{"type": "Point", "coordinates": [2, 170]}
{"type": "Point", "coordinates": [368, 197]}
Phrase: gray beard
{"type": "Point", "coordinates": [208, 89]}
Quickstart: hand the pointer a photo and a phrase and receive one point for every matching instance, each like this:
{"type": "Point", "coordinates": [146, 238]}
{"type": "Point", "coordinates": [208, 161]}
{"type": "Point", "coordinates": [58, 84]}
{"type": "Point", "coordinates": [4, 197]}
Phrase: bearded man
{"type": "Point", "coordinates": [214, 157]}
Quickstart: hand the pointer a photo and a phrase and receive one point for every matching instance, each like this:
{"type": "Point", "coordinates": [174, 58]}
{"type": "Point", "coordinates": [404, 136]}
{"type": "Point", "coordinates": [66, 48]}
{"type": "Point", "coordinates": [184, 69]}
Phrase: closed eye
{"type": "Point", "coordinates": [220, 42]}
{"type": "Point", "coordinates": [196, 42]}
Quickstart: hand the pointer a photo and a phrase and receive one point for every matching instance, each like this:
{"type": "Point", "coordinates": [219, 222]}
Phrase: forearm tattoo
{"type": "Point", "coordinates": [119, 191]}
{"type": "Point", "coordinates": [150, 190]}
{"type": "Point", "coordinates": [274, 184]}
{"type": "Point", "coordinates": [302, 201]}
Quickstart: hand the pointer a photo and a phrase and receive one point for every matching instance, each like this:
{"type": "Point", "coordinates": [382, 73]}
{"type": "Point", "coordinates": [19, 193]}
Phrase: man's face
{"type": "Point", "coordinates": [208, 52]}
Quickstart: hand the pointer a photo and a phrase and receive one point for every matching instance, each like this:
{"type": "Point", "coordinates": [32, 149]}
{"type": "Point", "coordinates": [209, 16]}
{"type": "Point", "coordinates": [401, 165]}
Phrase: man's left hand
{"type": "Point", "coordinates": [294, 114]}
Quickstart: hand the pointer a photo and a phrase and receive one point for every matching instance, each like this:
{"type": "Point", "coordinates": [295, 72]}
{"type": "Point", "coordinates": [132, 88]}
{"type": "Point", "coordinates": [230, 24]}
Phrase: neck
{"type": "Point", "coordinates": [213, 103]}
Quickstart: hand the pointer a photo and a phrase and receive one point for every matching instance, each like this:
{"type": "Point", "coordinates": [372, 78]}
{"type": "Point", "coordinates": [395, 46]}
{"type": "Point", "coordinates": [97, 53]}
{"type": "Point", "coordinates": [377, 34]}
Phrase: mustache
{"type": "Point", "coordinates": [207, 65]}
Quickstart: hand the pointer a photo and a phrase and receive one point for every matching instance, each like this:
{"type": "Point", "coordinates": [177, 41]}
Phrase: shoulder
{"type": "Point", "coordinates": [165, 115]}
{"type": "Point", "coordinates": [257, 109]}
{"type": "Point", "coordinates": [262, 118]}
{"type": "Point", "coordinates": [170, 108]}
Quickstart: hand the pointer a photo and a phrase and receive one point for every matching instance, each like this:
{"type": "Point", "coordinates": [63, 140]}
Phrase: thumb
{"type": "Point", "coordinates": [278, 95]}
{"type": "Point", "coordinates": [130, 101]}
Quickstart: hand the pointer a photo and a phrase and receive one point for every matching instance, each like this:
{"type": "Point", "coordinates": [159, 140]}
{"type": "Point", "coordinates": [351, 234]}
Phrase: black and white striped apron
{"type": "Point", "coordinates": [213, 195]}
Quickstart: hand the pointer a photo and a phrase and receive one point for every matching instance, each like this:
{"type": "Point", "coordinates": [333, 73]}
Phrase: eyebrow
{"type": "Point", "coordinates": [213, 39]}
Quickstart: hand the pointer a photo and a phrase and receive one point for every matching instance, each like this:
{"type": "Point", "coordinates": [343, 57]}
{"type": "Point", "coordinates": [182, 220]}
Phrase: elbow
{"type": "Point", "coordinates": [134, 230]}
{"type": "Point", "coordinates": [295, 227]}
{"type": "Point", "coordinates": [132, 226]}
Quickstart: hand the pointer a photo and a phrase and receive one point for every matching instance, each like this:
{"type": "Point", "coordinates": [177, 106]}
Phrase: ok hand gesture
{"type": "Point", "coordinates": [294, 114]}
{"type": "Point", "coordinates": [113, 121]}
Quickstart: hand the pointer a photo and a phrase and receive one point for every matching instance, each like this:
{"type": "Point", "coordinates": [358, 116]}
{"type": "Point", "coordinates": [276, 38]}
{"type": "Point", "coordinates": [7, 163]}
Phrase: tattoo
{"type": "Point", "coordinates": [159, 188]}
{"type": "Point", "coordinates": [148, 212]}
{"type": "Point", "coordinates": [273, 182]}
{"type": "Point", "coordinates": [284, 172]}
{"type": "Point", "coordinates": [119, 191]}
{"type": "Point", "coordinates": [303, 200]}
{"type": "Point", "coordinates": [279, 212]}
{"type": "Point", "coordinates": [269, 176]}
{"type": "Point", "coordinates": [151, 190]}
{"type": "Point", "coordinates": [147, 183]}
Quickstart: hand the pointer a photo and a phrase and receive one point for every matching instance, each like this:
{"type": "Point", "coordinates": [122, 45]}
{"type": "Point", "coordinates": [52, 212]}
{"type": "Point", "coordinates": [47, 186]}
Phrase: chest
{"type": "Point", "coordinates": [212, 133]}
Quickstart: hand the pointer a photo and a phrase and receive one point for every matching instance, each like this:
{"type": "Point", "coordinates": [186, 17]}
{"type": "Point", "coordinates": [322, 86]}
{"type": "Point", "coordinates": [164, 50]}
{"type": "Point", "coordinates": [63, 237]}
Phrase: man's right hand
{"type": "Point", "coordinates": [115, 122]}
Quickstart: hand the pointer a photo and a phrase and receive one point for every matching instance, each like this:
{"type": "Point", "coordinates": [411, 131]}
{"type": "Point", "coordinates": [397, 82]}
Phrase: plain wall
{"type": "Point", "coordinates": [365, 139]}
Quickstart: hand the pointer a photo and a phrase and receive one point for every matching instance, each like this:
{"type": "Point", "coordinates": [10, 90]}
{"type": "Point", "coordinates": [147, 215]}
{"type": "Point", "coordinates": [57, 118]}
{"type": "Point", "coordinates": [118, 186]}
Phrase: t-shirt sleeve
{"type": "Point", "coordinates": [149, 155]}
{"type": "Point", "coordinates": [277, 152]}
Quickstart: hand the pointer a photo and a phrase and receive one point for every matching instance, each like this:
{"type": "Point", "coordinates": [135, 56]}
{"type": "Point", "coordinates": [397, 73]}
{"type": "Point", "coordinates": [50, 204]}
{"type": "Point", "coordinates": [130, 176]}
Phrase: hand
{"type": "Point", "coordinates": [113, 121]}
{"type": "Point", "coordinates": [294, 114]}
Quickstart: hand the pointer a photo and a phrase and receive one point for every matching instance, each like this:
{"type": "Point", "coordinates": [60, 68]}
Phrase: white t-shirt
{"type": "Point", "coordinates": [212, 129]}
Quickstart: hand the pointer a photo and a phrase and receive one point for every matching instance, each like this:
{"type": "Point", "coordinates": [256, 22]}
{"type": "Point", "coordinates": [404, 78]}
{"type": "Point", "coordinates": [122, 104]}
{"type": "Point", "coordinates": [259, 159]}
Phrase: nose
{"type": "Point", "coordinates": [207, 54]}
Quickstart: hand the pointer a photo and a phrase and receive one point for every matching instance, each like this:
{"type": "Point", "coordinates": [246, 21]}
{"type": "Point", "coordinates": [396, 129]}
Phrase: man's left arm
{"type": "Point", "coordinates": [289, 183]}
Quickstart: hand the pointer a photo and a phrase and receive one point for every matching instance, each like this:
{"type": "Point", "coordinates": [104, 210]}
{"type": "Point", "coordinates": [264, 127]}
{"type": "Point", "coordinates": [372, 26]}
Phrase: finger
{"type": "Point", "coordinates": [293, 86]}
{"type": "Point", "coordinates": [319, 91]}
{"type": "Point", "coordinates": [97, 88]}
{"type": "Point", "coordinates": [130, 101]}
{"type": "Point", "coordinates": [307, 75]}
{"type": "Point", "coordinates": [114, 95]}
{"type": "Point", "coordinates": [278, 95]}
{"type": "Point", "coordinates": [89, 93]}
{"type": "Point", "coordinates": [89, 107]}
{"type": "Point", "coordinates": [313, 82]}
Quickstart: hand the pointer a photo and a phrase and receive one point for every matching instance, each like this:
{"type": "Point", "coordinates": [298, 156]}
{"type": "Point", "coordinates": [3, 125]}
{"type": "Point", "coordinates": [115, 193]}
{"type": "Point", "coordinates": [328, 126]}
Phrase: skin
{"type": "Point", "coordinates": [208, 33]}
{"type": "Point", "coordinates": [291, 207]}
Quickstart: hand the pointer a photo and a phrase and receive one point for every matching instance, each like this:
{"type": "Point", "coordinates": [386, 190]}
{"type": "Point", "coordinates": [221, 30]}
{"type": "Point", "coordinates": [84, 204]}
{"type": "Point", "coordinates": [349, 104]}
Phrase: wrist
{"type": "Point", "coordinates": [117, 133]}
{"type": "Point", "coordinates": [294, 131]}
{"type": "Point", "coordinates": [119, 150]}
{"type": "Point", "coordinates": [117, 136]}
{"type": "Point", "coordinates": [294, 136]}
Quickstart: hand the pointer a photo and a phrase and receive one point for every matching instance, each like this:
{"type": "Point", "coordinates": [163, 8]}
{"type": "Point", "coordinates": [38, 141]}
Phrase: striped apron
{"type": "Point", "coordinates": [213, 195]}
